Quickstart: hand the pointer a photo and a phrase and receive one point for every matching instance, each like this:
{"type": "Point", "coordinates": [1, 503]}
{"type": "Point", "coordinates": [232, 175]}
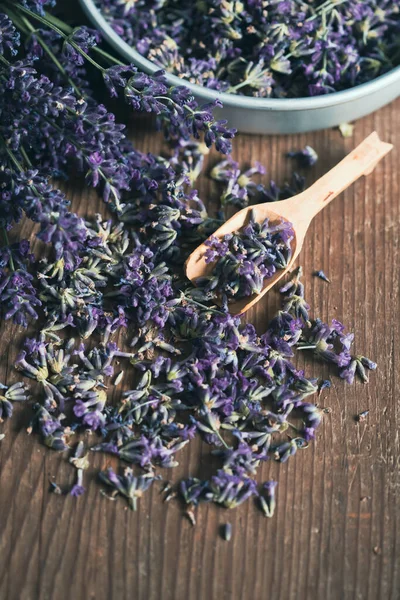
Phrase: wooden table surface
{"type": "Point", "coordinates": [335, 534]}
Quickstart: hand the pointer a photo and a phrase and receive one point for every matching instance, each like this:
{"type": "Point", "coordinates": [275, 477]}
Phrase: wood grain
{"type": "Point", "coordinates": [325, 541]}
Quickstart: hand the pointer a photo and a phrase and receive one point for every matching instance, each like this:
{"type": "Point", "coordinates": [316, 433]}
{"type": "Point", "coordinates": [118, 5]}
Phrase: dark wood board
{"type": "Point", "coordinates": [325, 541]}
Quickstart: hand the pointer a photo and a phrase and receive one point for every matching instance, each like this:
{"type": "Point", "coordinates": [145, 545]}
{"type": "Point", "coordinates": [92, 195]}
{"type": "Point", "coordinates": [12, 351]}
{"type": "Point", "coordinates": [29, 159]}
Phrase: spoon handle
{"type": "Point", "coordinates": [361, 161]}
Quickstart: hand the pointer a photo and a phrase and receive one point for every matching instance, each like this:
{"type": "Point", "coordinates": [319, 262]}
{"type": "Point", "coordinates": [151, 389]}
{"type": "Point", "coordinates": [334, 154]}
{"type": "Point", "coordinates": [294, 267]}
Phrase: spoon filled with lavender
{"type": "Point", "coordinates": [256, 247]}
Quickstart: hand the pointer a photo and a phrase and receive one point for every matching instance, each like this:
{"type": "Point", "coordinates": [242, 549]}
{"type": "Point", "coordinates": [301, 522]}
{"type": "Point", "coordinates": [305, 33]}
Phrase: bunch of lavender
{"type": "Point", "coordinates": [288, 48]}
{"type": "Point", "coordinates": [245, 259]}
{"type": "Point", "coordinates": [51, 123]}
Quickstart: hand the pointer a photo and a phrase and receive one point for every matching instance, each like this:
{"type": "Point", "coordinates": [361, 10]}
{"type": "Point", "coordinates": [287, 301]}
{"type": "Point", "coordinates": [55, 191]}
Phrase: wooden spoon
{"type": "Point", "coordinates": [298, 210]}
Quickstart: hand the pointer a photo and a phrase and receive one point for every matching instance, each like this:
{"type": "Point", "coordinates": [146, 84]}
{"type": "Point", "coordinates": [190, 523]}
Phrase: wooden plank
{"type": "Point", "coordinates": [321, 542]}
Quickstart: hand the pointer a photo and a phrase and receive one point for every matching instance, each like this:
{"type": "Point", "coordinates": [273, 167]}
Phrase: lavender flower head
{"type": "Point", "coordinates": [15, 393]}
{"type": "Point", "coordinates": [267, 498]}
{"type": "Point", "coordinates": [306, 157]}
{"type": "Point", "coordinates": [231, 490]}
{"type": "Point", "coordinates": [128, 484]}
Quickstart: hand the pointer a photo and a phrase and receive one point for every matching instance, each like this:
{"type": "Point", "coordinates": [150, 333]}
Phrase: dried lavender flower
{"type": "Point", "coordinates": [193, 490]}
{"type": "Point", "coordinates": [305, 158]}
{"type": "Point", "coordinates": [15, 393]}
{"type": "Point", "coordinates": [78, 489]}
{"type": "Point", "coordinates": [238, 187]}
{"type": "Point", "coordinates": [362, 416]}
{"type": "Point", "coordinates": [325, 384]}
{"type": "Point", "coordinates": [80, 458]}
{"type": "Point", "coordinates": [52, 431]}
{"type": "Point", "coordinates": [230, 490]}
{"type": "Point", "coordinates": [267, 498]}
{"type": "Point", "coordinates": [322, 276]}
{"type": "Point", "coordinates": [346, 129]}
{"type": "Point", "coordinates": [226, 532]}
{"type": "Point", "coordinates": [55, 488]}
{"type": "Point", "coordinates": [359, 365]}
{"type": "Point", "coordinates": [127, 484]}
{"type": "Point", "coordinates": [244, 260]}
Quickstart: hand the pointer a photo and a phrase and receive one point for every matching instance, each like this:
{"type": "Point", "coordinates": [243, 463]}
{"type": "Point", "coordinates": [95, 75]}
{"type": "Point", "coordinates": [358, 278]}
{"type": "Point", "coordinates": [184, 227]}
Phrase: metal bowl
{"type": "Point", "coordinates": [270, 115]}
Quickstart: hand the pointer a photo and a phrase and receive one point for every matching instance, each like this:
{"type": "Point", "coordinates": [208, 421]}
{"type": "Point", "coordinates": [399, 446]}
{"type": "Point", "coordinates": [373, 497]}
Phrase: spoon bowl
{"type": "Point", "coordinates": [298, 211]}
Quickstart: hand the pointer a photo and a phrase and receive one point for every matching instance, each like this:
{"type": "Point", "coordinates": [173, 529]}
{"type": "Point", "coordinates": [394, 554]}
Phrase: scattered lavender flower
{"type": "Point", "coordinates": [51, 429]}
{"type": "Point", "coordinates": [306, 157]}
{"type": "Point", "coordinates": [55, 488]}
{"type": "Point", "coordinates": [80, 462]}
{"type": "Point", "coordinates": [127, 484]}
{"type": "Point", "coordinates": [267, 498]}
{"type": "Point", "coordinates": [323, 385]}
{"type": "Point", "coordinates": [78, 489]}
{"type": "Point", "coordinates": [282, 452]}
{"type": "Point", "coordinates": [15, 393]}
{"type": "Point", "coordinates": [329, 342]}
{"type": "Point", "coordinates": [238, 187]}
{"type": "Point", "coordinates": [362, 415]}
{"type": "Point", "coordinates": [322, 276]}
{"type": "Point", "coordinates": [346, 129]}
{"type": "Point", "coordinates": [227, 532]}
{"type": "Point", "coordinates": [357, 364]}
{"type": "Point", "coordinates": [192, 490]}
{"type": "Point", "coordinates": [230, 490]}
{"type": "Point", "coordinates": [293, 294]}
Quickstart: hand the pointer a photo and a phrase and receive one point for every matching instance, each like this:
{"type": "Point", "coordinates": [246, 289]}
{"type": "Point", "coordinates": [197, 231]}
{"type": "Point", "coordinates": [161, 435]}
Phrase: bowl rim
{"type": "Point", "coordinates": [235, 100]}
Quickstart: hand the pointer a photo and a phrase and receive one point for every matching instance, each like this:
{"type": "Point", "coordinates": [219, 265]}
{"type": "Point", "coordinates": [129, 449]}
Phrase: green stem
{"type": "Point", "coordinates": [234, 88]}
{"type": "Point", "coordinates": [11, 155]}
{"type": "Point", "coordinates": [219, 436]}
{"type": "Point", "coordinates": [305, 347]}
{"type": "Point", "coordinates": [144, 404]}
{"type": "Point", "coordinates": [12, 266]}
{"type": "Point", "coordinates": [203, 306]}
{"type": "Point", "coordinates": [67, 29]}
{"type": "Point", "coordinates": [160, 394]}
{"type": "Point", "coordinates": [25, 157]}
{"type": "Point", "coordinates": [107, 56]}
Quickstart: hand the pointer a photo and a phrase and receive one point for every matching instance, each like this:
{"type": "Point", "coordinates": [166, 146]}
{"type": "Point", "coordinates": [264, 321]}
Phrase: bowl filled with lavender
{"type": "Point", "coordinates": [283, 66]}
